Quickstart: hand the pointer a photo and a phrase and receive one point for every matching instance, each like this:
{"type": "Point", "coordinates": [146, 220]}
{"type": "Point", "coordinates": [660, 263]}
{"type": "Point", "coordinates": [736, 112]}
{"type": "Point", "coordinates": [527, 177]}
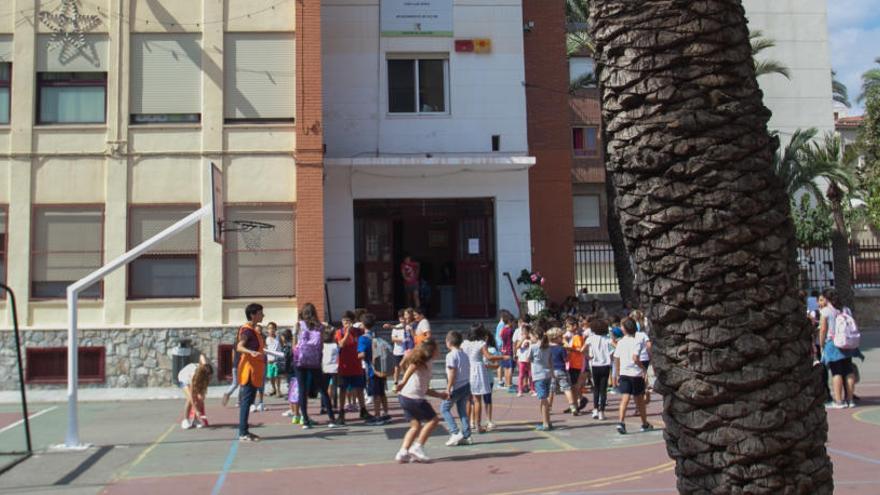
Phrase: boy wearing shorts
{"type": "Point", "coordinates": [632, 375]}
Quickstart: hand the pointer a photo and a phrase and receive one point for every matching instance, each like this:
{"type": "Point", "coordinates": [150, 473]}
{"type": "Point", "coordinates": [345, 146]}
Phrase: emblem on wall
{"type": "Point", "coordinates": [69, 27]}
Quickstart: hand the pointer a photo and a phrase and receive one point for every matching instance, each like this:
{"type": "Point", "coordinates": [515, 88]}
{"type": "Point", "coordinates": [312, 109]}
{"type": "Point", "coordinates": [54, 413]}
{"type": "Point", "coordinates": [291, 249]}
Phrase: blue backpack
{"type": "Point", "coordinates": [309, 347]}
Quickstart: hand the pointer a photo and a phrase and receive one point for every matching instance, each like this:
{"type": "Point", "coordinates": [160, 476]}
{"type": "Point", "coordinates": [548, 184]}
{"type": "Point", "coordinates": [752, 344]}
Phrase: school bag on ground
{"type": "Point", "coordinates": [309, 348]}
{"type": "Point", "coordinates": [846, 332]}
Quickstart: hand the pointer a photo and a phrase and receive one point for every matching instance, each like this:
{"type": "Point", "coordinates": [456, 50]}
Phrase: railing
{"type": "Point", "coordinates": [594, 267]}
{"type": "Point", "coordinates": [817, 266]}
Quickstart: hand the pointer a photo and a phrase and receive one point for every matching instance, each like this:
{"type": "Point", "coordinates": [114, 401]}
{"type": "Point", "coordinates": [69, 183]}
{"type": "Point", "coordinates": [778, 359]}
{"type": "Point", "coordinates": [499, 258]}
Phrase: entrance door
{"type": "Point", "coordinates": [474, 267]}
{"type": "Point", "coordinates": [378, 267]}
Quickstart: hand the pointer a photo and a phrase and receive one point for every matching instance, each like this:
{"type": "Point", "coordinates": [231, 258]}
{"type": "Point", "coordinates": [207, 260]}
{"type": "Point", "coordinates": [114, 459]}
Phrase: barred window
{"type": "Point", "coordinates": [260, 263]}
{"type": "Point", "coordinates": [67, 246]}
{"type": "Point", "coordinates": [171, 268]}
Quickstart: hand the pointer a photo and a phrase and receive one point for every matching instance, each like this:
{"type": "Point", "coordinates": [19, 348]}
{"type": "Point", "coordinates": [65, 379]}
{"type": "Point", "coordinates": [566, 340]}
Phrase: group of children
{"type": "Point", "coordinates": [349, 368]}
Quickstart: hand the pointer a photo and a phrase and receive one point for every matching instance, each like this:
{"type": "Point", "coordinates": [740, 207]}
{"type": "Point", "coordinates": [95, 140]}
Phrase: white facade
{"type": "Point", "coordinates": [800, 30]}
{"type": "Point", "coordinates": [373, 153]}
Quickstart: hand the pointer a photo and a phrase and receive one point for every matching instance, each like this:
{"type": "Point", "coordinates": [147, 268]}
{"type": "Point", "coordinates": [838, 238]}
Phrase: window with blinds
{"type": "Point", "coordinates": [5, 77]}
{"type": "Point", "coordinates": [259, 77]}
{"type": "Point", "coordinates": [67, 246]}
{"type": "Point", "coordinates": [170, 269]}
{"type": "Point", "coordinates": [166, 78]}
{"type": "Point", "coordinates": [261, 263]}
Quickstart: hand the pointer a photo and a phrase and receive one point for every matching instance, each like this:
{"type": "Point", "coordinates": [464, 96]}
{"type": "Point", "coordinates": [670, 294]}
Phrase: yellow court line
{"type": "Point", "coordinates": [558, 441]}
{"type": "Point", "coordinates": [858, 415]}
{"type": "Point", "coordinates": [143, 455]}
{"type": "Point", "coordinates": [607, 480]}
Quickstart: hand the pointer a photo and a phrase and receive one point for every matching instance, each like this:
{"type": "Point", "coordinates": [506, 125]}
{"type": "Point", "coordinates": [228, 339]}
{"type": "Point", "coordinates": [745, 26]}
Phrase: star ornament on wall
{"type": "Point", "coordinates": [68, 27]}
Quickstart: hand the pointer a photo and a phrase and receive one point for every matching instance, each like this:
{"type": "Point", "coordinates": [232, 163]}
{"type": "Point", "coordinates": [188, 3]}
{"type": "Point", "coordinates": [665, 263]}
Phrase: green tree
{"type": "Point", "coordinates": [832, 163]}
{"type": "Point", "coordinates": [839, 91]}
{"type": "Point", "coordinates": [710, 229]}
{"type": "Point", "coordinates": [766, 66]}
{"type": "Point", "coordinates": [869, 143]}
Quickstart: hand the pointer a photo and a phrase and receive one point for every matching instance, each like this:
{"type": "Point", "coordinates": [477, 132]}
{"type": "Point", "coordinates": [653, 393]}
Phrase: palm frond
{"type": "Point", "coordinates": [870, 83]}
{"type": "Point", "coordinates": [839, 91]}
{"type": "Point", "coordinates": [765, 67]}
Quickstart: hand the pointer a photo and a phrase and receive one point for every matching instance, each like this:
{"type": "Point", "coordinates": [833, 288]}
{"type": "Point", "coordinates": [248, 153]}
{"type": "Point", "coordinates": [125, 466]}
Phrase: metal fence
{"type": "Point", "coordinates": [817, 266]}
{"type": "Point", "coordinates": [594, 267]}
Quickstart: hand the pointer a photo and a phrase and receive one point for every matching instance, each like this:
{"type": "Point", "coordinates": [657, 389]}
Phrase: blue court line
{"type": "Point", "coordinates": [857, 457]}
{"type": "Point", "coordinates": [233, 450]}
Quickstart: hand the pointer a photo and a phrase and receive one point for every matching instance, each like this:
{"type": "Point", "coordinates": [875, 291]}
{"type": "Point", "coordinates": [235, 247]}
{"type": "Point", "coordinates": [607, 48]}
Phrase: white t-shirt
{"type": "Point", "coordinates": [829, 314]}
{"type": "Point", "coordinates": [423, 326]}
{"type": "Point", "coordinates": [272, 344]}
{"type": "Point", "coordinates": [417, 385]}
{"type": "Point", "coordinates": [398, 332]}
{"type": "Point", "coordinates": [600, 349]}
{"type": "Point", "coordinates": [185, 376]}
{"type": "Point", "coordinates": [330, 358]}
{"type": "Point", "coordinates": [627, 347]}
{"type": "Point", "coordinates": [643, 339]}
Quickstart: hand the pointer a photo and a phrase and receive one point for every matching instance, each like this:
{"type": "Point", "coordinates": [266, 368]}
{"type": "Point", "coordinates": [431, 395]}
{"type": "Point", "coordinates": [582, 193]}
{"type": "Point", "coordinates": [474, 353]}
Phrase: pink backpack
{"type": "Point", "coordinates": [309, 347]}
{"type": "Point", "coordinates": [846, 332]}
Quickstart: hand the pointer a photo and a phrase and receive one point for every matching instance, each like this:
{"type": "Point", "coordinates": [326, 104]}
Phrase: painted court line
{"type": "Point", "coordinates": [596, 482]}
{"type": "Point", "coordinates": [857, 457]}
{"type": "Point", "coordinates": [233, 450]}
{"type": "Point", "coordinates": [143, 455]}
{"type": "Point", "coordinates": [32, 416]}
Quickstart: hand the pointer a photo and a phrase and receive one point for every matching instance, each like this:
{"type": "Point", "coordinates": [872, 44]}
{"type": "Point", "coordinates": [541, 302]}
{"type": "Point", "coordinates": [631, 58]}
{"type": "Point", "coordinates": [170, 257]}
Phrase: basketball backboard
{"type": "Point", "coordinates": [219, 216]}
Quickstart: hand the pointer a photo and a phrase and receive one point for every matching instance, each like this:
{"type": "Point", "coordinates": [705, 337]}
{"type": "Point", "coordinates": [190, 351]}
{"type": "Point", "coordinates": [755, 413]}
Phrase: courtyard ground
{"type": "Point", "coordinates": [138, 447]}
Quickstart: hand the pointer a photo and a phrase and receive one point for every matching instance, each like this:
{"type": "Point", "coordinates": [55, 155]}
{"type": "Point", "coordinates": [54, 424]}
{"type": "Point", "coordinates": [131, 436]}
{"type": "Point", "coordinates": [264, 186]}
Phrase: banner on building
{"type": "Point", "coordinates": [416, 18]}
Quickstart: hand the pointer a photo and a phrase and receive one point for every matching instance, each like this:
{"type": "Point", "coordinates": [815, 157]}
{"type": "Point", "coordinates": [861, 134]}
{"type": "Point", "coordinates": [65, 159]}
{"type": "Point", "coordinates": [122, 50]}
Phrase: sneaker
{"type": "Point", "coordinates": [287, 414]}
{"type": "Point", "coordinates": [574, 411]}
{"type": "Point", "coordinates": [296, 420]}
{"type": "Point", "coordinates": [416, 454]}
{"type": "Point", "coordinates": [851, 404]}
{"type": "Point", "coordinates": [647, 427]}
{"type": "Point", "coordinates": [835, 405]}
{"type": "Point", "coordinates": [261, 407]}
{"type": "Point", "coordinates": [621, 428]}
{"type": "Point", "coordinates": [467, 441]}
{"type": "Point", "coordinates": [253, 408]}
{"type": "Point", "coordinates": [519, 394]}
{"type": "Point", "coordinates": [340, 421]}
{"type": "Point", "coordinates": [332, 425]}
{"type": "Point", "coordinates": [582, 403]}
{"type": "Point", "coordinates": [386, 418]}
{"type": "Point", "coordinates": [454, 439]}
{"type": "Point", "coordinates": [533, 394]}
{"type": "Point", "coordinates": [601, 415]}
{"type": "Point", "coordinates": [307, 426]}
{"type": "Point", "coordinates": [490, 426]}
{"type": "Point", "coordinates": [402, 457]}
{"type": "Point", "coordinates": [541, 428]}
{"type": "Point", "coordinates": [225, 399]}
{"type": "Point", "coordinates": [368, 418]}
{"type": "Point", "coordinates": [250, 437]}
{"type": "Point", "coordinates": [374, 422]}
{"type": "Point", "coordinates": [511, 389]}
{"type": "Point", "coordinates": [185, 424]}
{"type": "Point", "coordinates": [595, 414]}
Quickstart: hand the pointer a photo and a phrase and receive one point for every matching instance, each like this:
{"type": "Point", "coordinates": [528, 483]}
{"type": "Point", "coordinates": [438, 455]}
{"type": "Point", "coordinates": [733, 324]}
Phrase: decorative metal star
{"type": "Point", "coordinates": [68, 28]}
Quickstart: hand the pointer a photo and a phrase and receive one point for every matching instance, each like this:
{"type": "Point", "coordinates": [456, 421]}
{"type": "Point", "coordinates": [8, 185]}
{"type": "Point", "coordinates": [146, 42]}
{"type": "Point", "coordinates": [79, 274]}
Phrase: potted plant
{"type": "Point", "coordinates": [534, 294]}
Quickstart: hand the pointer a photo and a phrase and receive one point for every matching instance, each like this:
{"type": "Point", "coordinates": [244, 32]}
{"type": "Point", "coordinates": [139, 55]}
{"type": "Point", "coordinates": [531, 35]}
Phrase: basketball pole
{"type": "Point", "coordinates": [72, 440]}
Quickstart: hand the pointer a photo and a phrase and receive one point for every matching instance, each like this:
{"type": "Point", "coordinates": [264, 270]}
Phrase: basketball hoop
{"type": "Point", "coordinates": [251, 231]}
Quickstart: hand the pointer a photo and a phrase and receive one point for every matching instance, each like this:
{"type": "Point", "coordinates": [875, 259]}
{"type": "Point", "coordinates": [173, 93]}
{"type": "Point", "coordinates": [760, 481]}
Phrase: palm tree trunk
{"type": "Point", "coordinates": [710, 229]}
{"type": "Point", "coordinates": [840, 248]}
{"type": "Point", "coordinates": [622, 265]}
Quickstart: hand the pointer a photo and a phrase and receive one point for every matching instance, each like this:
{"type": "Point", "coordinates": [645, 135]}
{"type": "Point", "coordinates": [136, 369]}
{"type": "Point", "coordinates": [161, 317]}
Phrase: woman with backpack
{"type": "Point", "coordinates": [839, 338]}
{"type": "Point", "coordinates": [307, 353]}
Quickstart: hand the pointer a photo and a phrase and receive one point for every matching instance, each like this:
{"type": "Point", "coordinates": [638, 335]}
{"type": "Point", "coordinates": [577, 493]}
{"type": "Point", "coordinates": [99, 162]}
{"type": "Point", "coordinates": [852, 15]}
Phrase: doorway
{"type": "Point", "coordinates": [453, 240]}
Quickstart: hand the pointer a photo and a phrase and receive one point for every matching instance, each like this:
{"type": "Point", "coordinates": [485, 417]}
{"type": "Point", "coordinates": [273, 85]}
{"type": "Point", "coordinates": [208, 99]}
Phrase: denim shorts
{"type": "Point", "coordinates": [560, 378]}
{"type": "Point", "coordinates": [542, 388]}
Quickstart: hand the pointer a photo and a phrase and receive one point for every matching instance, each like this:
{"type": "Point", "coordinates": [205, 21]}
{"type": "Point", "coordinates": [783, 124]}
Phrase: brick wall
{"type": "Point", "coordinates": [309, 157]}
{"type": "Point", "coordinates": [549, 131]}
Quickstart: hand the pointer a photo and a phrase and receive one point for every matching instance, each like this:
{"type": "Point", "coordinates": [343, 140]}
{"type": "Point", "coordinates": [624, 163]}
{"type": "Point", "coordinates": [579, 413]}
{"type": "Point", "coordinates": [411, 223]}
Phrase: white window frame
{"type": "Point", "coordinates": [416, 58]}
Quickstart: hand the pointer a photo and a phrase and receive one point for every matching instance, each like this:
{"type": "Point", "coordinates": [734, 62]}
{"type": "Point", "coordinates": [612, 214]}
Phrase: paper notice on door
{"type": "Point", "coordinates": [474, 246]}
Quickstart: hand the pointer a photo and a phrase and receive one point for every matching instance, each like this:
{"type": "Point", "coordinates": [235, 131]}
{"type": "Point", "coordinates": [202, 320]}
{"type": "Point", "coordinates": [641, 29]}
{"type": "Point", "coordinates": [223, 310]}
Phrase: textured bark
{"type": "Point", "coordinates": [626, 280]}
{"type": "Point", "coordinates": [709, 227]}
{"type": "Point", "coordinates": [840, 248]}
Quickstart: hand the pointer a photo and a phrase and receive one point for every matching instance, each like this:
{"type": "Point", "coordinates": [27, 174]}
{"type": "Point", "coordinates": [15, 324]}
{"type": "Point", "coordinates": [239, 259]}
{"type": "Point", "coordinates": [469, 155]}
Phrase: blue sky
{"type": "Point", "coordinates": [854, 34]}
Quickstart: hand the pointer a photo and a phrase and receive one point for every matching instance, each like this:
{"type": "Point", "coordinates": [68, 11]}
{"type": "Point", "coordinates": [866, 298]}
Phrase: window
{"type": "Point", "coordinates": [585, 141]}
{"type": "Point", "coordinates": [67, 246]}
{"type": "Point", "coordinates": [3, 222]}
{"type": "Point", "coordinates": [72, 97]}
{"type": "Point", "coordinates": [587, 211]}
{"type": "Point", "coordinates": [224, 362]}
{"type": "Point", "coordinates": [171, 269]}
{"type": "Point", "coordinates": [417, 85]}
{"type": "Point", "coordinates": [260, 263]}
{"type": "Point", "coordinates": [166, 78]}
{"type": "Point", "coordinates": [579, 67]}
{"type": "Point", "coordinates": [49, 364]}
{"type": "Point", "coordinates": [259, 77]}
{"type": "Point", "coordinates": [5, 90]}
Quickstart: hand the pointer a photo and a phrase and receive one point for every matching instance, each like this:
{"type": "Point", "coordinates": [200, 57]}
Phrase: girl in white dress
{"type": "Point", "coordinates": [481, 382]}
